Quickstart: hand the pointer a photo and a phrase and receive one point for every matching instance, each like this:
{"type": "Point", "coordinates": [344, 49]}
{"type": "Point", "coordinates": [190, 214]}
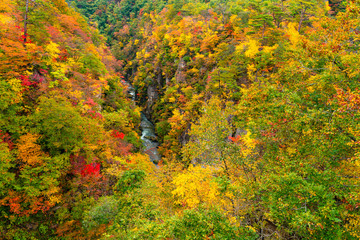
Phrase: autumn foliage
{"type": "Point", "coordinates": [51, 86]}
{"type": "Point", "coordinates": [255, 106]}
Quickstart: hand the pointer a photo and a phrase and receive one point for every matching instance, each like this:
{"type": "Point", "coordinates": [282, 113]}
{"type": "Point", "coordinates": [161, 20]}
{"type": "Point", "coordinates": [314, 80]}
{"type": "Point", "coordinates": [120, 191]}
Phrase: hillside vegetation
{"type": "Point", "coordinates": [255, 106]}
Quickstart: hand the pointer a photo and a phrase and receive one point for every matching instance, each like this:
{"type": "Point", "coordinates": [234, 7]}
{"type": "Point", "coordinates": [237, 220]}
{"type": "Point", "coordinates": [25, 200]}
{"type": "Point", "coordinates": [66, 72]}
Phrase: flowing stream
{"type": "Point", "coordinates": [148, 137]}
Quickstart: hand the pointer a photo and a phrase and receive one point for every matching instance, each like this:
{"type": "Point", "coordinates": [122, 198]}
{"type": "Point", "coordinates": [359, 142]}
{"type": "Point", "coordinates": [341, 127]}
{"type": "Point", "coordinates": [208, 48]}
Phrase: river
{"type": "Point", "coordinates": [148, 136]}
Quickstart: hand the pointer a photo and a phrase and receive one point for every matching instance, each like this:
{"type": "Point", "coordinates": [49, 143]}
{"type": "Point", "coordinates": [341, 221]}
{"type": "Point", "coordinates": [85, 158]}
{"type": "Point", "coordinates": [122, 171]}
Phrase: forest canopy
{"type": "Point", "coordinates": [254, 107]}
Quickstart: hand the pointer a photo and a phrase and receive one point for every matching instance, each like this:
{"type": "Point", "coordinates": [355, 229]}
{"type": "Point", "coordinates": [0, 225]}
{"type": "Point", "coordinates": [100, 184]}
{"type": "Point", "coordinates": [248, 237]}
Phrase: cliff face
{"type": "Point", "coordinates": [152, 97]}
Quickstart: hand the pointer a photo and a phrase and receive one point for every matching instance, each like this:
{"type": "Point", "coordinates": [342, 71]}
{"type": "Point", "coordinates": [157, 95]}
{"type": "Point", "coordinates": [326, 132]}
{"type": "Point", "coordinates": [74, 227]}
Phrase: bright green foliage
{"type": "Point", "coordinates": [6, 177]}
{"type": "Point", "coordinates": [129, 181]}
{"type": "Point", "coordinates": [61, 126]}
{"type": "Point", "coordinates": [102, 213]}
{"type": "Point", "coordinates": [305, 204]}
{"type": "Point", "coordinates": [202, 224]}
{"type": "Point", "coordinates": [10, 99]}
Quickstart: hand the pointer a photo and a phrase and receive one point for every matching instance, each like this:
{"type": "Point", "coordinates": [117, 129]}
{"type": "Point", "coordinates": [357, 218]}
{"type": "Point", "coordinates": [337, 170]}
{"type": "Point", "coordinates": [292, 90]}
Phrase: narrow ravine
{"type": "Point", "coordinates": [148, 136]}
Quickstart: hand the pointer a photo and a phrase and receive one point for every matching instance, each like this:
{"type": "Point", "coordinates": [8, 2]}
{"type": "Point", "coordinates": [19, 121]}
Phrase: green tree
{"type": "Point", "coordinates": [60, 125]}
{"type": "Point", "coordinates": [209, 137]}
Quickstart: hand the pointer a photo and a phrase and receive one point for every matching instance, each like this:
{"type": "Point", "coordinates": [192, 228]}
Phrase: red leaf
{"type": "Point", "coordinates": [90, 169]}
{"type": "Point", "coordinates": [90, 102]}
{"type": "Point", "coordinates": [117, 134]}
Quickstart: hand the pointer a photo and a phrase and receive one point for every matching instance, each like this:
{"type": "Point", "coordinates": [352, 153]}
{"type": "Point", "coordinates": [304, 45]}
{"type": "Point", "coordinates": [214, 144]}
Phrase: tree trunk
{"type": "Point", "coordinates": [302, 18]}
{"type": "Point", "coordinates": [26, 21]}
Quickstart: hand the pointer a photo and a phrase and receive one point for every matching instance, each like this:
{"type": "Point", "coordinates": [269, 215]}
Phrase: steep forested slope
{"type": "Point", "coordinates": [255, 104]}
{"type": "Point", "coordinates": [64, 119]}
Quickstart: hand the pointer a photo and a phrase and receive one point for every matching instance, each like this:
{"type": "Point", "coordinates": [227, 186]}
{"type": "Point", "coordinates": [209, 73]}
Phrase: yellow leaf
{"type": "Point", "coordinates": [195, 186]}
{"type": "Point", "coordinates": [294, 35]}
{"type": "Point", "coordinates": [253, 48]}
